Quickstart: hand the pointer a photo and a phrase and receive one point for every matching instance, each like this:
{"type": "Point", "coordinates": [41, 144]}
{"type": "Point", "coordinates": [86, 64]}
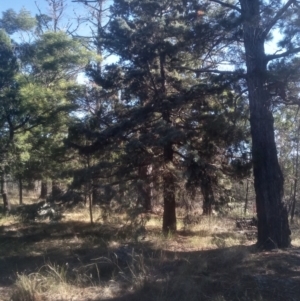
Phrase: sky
{"type": "Point", "coordinates": [18, 4]}
{"type": "Point", "coordinates": [30, 5]}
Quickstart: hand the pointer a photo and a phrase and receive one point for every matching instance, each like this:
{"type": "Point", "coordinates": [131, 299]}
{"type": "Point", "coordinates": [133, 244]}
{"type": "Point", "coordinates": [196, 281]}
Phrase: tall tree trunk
{"type": "Point", "coordinates": [56, 191]}
{"type": "Point", "coordinates": [44, 189]}
{"type": "Point", "coordinates": [169, 215]}
{"type": "Point", "coordinates": [273, 226]}
{"type": "Point", "coordinates": [145, 188]}
{"type": "Point", "coordinates": [95, 191]}
{"type": "Point", "coordinates": [89, 188]}
{"type": "Point", "coordinates": [296, 178]}
{"type": "Point", "coordinates": [90, 205]}
{"type": "Point", "coordinates": [86, 192]}
{"type": "Point", "coordinates": [246, 198]}
{"type": "Point", "coordinates": [20, 190]}
{"type": "Point", "coordinates": [6, 202]}
{"type": "Point", "coordinates": [208, 194]}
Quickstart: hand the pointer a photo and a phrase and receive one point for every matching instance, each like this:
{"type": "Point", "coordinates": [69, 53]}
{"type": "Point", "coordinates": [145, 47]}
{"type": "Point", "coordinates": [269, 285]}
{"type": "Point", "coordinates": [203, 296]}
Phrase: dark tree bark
{"type": "Point", "coordinates": [169, 215]}
{"type": "Point", "coordinates": [169, 189]}
{"type": "Point", "coordinates": [208, 194]}
{"type": "Point", "coordinates": [295, 188]}
{"type": "Point", "coordinates": [6, 202]}
{"type": "Point", "coordinates": [91, 205]}
{"type": "Point", "coordinates": [96, 194]}
{"type": "Point", "coordinates": [144, 188]}
{"type": "Point", "coordinates": [246, 197]}
{"type": "Point", "coordinates": [273, 226]}
{"type": "Point", "coordinates": [20, 190]}
{"type": "Point", "coordinates": [44, 190]}
{"type": "Point", "coordinates": [56, 190]}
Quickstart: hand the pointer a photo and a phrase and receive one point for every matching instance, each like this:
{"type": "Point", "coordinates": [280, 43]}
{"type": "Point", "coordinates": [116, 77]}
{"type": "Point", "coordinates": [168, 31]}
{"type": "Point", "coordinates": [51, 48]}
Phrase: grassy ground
{"type": "Point", "coordinates": [119, 260]}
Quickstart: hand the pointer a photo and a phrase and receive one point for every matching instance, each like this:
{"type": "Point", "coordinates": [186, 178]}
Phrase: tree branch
{"type": "Point", "coordinates": [228, 5]}
{"type": "Point", "coordinates": [283, 54]}
{"type": "Point", "coordinates": [289, 102]}
{"type": "Point", "coordinates": [204, 70]}
{"type": "Point", "coordinates": [279, 14]}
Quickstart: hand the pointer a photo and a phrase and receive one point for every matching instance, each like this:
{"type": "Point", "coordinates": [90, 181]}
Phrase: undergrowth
{"type": "Point", "coordinates": [205, 260]}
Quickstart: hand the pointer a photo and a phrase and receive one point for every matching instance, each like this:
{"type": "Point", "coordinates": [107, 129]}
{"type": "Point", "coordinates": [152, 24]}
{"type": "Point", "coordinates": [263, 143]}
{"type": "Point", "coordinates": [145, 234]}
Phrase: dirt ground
{"type": "Point", "coordinates": [112, 261]}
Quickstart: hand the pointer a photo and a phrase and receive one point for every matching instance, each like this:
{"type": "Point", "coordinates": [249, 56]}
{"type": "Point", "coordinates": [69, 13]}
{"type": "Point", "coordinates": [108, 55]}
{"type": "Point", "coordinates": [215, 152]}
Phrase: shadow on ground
{"type": "Point", "coordinates": [141, 271]}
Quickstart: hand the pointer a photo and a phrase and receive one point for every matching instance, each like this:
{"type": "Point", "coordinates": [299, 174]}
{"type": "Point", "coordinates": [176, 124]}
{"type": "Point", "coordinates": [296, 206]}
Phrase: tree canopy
{"type": "Point", "coordinates": [191, 101]}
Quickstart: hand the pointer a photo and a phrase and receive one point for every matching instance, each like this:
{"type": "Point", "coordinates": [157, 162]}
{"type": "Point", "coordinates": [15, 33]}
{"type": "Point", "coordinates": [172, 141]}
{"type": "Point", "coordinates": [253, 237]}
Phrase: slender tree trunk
{"type": "Point", "coordinates": [95, 191]}
{"type": "Point", "coordinates": [90, 195]}
{"type": "Point", "coordinates": [122, 189]}
{"type": "Point", "coordinates": [144, 187]}
{"type": "Point", "coordinates": [86, 191]}
{"type": "Point", "coordinates": [208, 194]}
{"type": "Point", "coordinates": [246, 198]}
{"type": "Point", "coordinates": [56, 191]}
{"type": "Point", "coordinates": [273, 226]}
{"type": "Point", "coordinates": [44, 189]}
{"type": "Point", "coordinates": [296, 178]}
{"type": "Point", "coordinates": [20, 190]}
{"type": "Point", "coordinates": [169, 215]}
{"type": "Point", "coordinates": [91, 206]}
{"type": "Point", "coordinates": [169, 187]}
{"type": "Point", "coordinates": [6, 202]}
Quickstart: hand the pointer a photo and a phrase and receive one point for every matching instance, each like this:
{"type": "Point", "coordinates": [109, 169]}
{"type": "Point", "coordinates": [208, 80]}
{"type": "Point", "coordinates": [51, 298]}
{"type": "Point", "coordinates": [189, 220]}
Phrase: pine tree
{"type": "Point", "coordinates": [252, 22]}
{"type": "Point", "coordinates": [151, 89]}
{"type": "Point", "coordinates": [38, 98]}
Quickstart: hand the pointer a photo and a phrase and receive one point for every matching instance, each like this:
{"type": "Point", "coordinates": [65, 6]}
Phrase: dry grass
{"type": "Point", "coordinates": [49, 283]}
{"type": "Point", "coordinates": [208, 260]}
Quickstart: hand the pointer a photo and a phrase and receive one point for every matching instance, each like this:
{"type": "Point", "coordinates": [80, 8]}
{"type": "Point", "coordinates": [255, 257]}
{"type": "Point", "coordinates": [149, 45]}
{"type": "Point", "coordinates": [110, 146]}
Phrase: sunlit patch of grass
{"type": "Point", "coordinates": [201, 242]}
{"type": "Point", "coordinates": [154, 222]}
{"type": "Point", "coordinates": [27, 288]}
{"type": "Point", "coordinates": [295, 236]}
{"type": "Point", "coordinates": [51, 280]}
{"type": "Point", "coordinates": [295, 228]}
{"type": "Point", "coordinates": [296, 241]}
{"type": "Point", "coordinates": [213, 224]}
{"type": "Point", "coordinates": [81, 213]}
{"type": "Point", "coordinates": [7, 219]}
{"type": "Point", "coordinates": [212, 232]}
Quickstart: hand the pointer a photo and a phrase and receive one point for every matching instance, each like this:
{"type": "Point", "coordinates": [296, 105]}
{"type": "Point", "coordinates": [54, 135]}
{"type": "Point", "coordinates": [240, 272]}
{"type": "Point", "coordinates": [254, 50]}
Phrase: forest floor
{"type": "Point", "coordinates": [119, 260]}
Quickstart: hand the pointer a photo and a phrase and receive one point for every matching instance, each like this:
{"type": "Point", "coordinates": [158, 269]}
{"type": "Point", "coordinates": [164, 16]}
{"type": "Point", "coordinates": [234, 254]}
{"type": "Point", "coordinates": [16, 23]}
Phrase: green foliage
{"type": "Point", "coordinates": [154, 97]}
{"type": "Point", "coordinates": [12, 22]}
{"type": "Point", "coordinates": [8, 62]}
{"type": "Point", "coordinates": [54, 57]}
{"type": "Point", "coordinates": [38, 90]}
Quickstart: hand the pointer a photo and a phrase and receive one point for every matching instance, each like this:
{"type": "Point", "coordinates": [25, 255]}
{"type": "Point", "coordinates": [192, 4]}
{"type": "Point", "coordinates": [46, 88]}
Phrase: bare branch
{"type": "Point", "coordinates": [85, 1]}
{"type": "Point", "coordinates": [283, 54]}
{"type": "Point", "coordinates": [204, 70]}
{"type": "Point", "coordinates": [228, 5]}
{"type": "Point", "coordinates": [277, 17]}
{"type": "Point", "coordinates": [289, 102]}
